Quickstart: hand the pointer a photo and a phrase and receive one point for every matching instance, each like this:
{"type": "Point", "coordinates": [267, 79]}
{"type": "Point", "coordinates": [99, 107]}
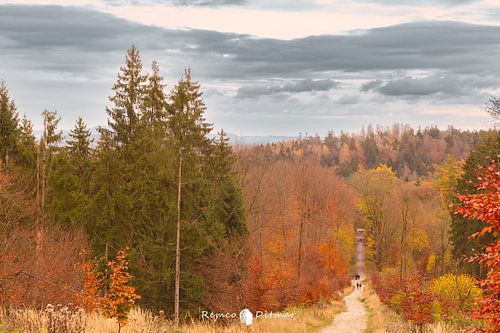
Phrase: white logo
{"type": "Point", "coordinates": [246, 317]}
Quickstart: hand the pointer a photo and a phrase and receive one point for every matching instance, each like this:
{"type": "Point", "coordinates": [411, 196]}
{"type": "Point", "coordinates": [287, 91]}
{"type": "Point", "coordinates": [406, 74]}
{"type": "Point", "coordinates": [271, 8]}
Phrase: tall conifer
{"type": "Point", "coordinates": [128, 98]}
{"type": "Point", "coordinates": [9, 125]}
{"type": "Point", "coordinates": [155, 99]}
{"type": "Point", "coordinates": [79, 144]}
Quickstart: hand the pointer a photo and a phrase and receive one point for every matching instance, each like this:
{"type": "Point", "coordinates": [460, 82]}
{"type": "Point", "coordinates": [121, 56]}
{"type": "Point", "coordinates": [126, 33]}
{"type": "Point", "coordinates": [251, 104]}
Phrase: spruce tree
{"type": "Point", "coordinates": [188, 128]}
{"type": "Point", "coordinates": [154, 104]}
{"type": "Point", "coordinates": [9, 126]}
{"type": "Point", "coordinates": [69, 179]}
{"type": "Point", "coordinates": [186, 120]}
{"type": "Point", "coordinates": [26, 155]}
{"type": "Point", "coordinates": [228, 203]}
{"type": "Point", "coordinates": [79, 144]}
{"type": "Point", "coordinates": [27, 143]}
{"type": "Point", "coordinates": [128, 98]}
{"type": "Point", "coordinates": [49, 144]}
{"type": "Point", "coordinates": [159, 179]}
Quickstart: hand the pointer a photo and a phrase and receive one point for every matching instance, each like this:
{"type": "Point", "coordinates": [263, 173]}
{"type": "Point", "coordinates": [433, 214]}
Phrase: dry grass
{"type": "Point", "coordinates": [63, 320]}
{"type": "Point", "coordinates": [382, 320]}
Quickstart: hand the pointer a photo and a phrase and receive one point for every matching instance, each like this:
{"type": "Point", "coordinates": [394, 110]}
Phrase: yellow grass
{"type": "Point", "coordinates": [306, 320]}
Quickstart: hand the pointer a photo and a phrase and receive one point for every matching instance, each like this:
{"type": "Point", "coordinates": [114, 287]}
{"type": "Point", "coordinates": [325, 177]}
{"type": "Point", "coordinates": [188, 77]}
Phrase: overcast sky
{"type": "Point", "coordinates": [267, 67]}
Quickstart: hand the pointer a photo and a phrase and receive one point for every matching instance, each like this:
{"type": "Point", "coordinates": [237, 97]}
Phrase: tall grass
{"type": "Point", "coordinates": [307, 319]}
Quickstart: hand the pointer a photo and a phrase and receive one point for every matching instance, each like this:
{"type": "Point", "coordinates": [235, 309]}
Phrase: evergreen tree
{"type": "Point", "coordinates": [153, 174]}
{"type": "Point", "coordinates": [188, 129]}
{"type": "Point", "coordinates": [155, 99]}
{"type": "Point", "coordinates": [127, 99]}
{"type": "Point", "coordinates": [69, 179]}
{"type": "Point", "coordinates": [48, 145]}
{"type": "Point", "coordinates": [463, 246]}
{"type": "Point", "coordinates": [26, 156]}
{"type": "Point", "coordinates": [228, 203]}
{"type": "Point", "coordinates": [79, 144]}
{"type": "Point", "coordinates": [106, 226]}
{"type": "Point", "coordinates": [27, 144]}
{"type": "Point", "coordinates": [186, 121]}
{"type": "Point", "coordinates": [370, 150]}
{"type": "Point", "coordinates": [9, 126]}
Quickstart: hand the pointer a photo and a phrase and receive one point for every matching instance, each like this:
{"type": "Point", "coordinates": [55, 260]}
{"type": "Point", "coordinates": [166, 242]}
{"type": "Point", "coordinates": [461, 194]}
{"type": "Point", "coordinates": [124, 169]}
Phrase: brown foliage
{"type": "Point", "coordinates": [120, 296]}
{"type": "Point", "coordinates": [301, 221]}
{"type": "Point", "coordinates": [38, 264]}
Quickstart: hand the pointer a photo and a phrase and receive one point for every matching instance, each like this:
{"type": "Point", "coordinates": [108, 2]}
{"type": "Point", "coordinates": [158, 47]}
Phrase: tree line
{"type": "Point", "coordinates": [409, 152]}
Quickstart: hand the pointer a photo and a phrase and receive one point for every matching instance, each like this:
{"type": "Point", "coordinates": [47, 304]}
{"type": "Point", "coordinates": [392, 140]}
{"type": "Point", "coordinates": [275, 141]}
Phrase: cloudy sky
{"type": "Point", "coordinates": [267, 67]}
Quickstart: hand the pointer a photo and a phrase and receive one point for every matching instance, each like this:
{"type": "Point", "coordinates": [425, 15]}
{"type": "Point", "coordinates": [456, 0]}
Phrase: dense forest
{"type": "Point", "coordinates": [206, 225]}
{"type": "Point", "coordinates": [408, 152]}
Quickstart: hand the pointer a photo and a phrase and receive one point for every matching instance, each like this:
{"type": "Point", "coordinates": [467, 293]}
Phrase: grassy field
{"type": "Point", "coordinates": [62, 320]}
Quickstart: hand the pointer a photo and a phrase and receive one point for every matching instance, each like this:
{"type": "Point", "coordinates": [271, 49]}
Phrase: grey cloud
{"type": "Point", "coordinates": [52, 37]}
{"type": "Point", "coordinates": [348, 99]}
{"type": "Point", "coordinates": [45, 47]}
{"type": "Point", "coordinates": [371, 85]}
{"type": "Point", "coordinates": [306, 85]}
{"type": "Point", "coordinates": [190, 3]}
{"type": "Point", "coordinates": [445, 46]}
{"type": "Point", "coordinates": [447, 85]}
{"type": "Point", "coordinates": [421, 2]}
{"type": "Point", "coordinates": [425, 86]}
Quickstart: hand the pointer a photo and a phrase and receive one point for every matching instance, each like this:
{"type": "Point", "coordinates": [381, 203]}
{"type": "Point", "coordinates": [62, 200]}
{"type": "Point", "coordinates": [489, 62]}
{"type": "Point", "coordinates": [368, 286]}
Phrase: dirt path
{"type": "Point", "coordinates": [353, 320]}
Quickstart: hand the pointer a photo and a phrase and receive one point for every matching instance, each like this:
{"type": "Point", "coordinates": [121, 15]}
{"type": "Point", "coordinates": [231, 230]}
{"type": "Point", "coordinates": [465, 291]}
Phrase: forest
{"type": "Point", "coordinates": [161, 213]}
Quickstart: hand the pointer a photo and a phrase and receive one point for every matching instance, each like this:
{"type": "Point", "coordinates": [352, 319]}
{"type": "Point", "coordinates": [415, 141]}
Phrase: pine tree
{"type": "Point", "coordinates": [69, 179]}
{"type": "Point", "coordinates": [370, 149]}
{"type": "Point", "coordinates": [228, 203]}
{"type": "Point", "coordinates": [9, 126]}
{"type": "Point", "coordinates": [25, 156]}
{"type": "Point", "coordinates": [128, 98]}
{"type": "Point", "coordinates": [186, 121]}
{"type": "Point", "coordinates": [155, 99]}
{"type": "Point", "coordinates": [27, 144]}
{"type": "Point", "coordinates": [79, 144]}
{"type": "Point", "coordinates": [48, 145]}
{"type": "Point", "coordinates": [106, 184]}
{"type": "Point", "coordinates": [188, 128]}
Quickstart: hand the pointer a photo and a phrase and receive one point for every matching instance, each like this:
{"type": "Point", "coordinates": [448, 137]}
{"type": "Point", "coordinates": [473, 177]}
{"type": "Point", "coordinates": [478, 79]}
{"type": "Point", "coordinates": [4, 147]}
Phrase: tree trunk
{"type": "Point", "coordinates": [6, 168]}
{"type": "Point", "coordinates": [299, 255]}
{"type": "Point", "coordinates": [178, 244]}
{"type": "Point", "coordinates": [44, 162]}
{"type": "Point", "coordinates": [38, 177]}
{"type": "Point", "coordinates": [106, 251]}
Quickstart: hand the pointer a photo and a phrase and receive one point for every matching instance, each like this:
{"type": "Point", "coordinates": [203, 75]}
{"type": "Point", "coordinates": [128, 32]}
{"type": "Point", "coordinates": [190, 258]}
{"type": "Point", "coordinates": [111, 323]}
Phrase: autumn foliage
{"type": "Point", "coordinates": [485, 206]}
{"type": "Point", "coordinates": [120, 296]}
{"type": "Point", "coordinates": [89, 295]}
{"type": "Point", "coordinates": [37, 263]}
{"type": "Point", "coordinates": [301, 222]}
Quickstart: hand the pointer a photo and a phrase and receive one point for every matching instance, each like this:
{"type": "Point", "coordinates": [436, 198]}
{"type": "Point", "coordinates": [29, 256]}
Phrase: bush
{"type": "Point", "coordinates": [460, 292]}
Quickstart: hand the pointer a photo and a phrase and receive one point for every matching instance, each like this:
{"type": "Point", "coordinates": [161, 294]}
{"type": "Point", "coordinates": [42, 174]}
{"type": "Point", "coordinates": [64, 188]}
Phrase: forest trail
{"type": "Point", "coordinates": [353, 320]}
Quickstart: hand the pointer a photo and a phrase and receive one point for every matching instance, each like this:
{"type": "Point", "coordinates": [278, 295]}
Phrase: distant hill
{"type": "Point", "coordinates": [252, 140]}
{"type": "Point", "coordinates": [233, 138]}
